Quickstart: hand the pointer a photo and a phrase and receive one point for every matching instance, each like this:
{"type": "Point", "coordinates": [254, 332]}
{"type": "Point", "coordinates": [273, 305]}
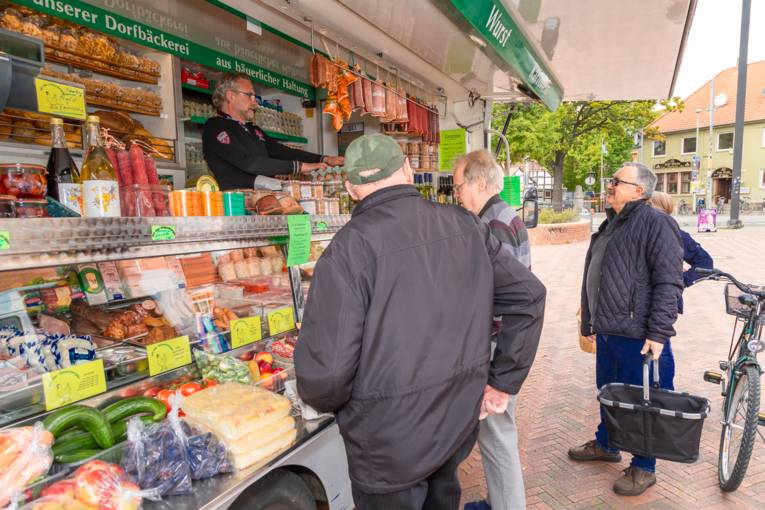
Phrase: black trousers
{"type": "Point", "coordinates": [439, 491]}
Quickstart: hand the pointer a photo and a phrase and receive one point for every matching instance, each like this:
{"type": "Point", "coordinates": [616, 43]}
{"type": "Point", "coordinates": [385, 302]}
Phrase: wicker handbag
{"type": "Point", "coordinates": [585, 343]}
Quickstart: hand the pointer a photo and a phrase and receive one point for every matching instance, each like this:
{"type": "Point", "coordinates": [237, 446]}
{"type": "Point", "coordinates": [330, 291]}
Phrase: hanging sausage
{"type": "Point", "coordinates": [378, 99]}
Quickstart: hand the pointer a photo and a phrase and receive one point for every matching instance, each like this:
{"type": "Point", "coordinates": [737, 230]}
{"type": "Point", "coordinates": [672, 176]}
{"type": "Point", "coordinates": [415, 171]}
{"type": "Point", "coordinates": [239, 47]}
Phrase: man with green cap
{"type": "Point", "coordinates": [394, 333]}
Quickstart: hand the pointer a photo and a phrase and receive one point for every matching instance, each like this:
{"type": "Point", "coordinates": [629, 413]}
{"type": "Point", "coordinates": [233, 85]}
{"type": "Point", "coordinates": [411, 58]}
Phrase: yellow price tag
{"type": "Point", "coordinates": [245, 331]}
{"type": "Point", "coordinates": [72, 384]}
{"type": "Point", "coordinates": [59, 99]}
{"type": "Point", "coordinates": [280, 321]}
{"type": "Point", "coordinates": [168, 355]}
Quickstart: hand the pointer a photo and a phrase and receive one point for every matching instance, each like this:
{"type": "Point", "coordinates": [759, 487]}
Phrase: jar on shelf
{"type": "Point", "coordinates": [31, 208]}
{"type": "Point", "coordinates": [7, 206]}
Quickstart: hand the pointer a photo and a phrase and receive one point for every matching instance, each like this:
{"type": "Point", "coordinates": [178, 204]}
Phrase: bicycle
{"type": "Point", "coordinates": [741, 394]}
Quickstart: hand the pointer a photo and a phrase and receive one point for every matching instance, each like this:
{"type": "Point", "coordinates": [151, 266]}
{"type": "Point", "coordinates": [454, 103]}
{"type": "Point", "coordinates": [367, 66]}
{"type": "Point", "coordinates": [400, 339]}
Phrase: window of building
{"type": "Point", "coordinates": [685, 182]}
{"type": "Point", "coordinates": [660, 182]}
{"type": "Point", "coordinates": [672, 184]}
{"type": "Point", "coordinates": [762, 177]}
{"type": "Point", "coordinates": [659, 148]}
{"type": "Point", "coordinates": [724, 141]}
{"type": "Point", "coordinates": [763, 137]}
{"type": "Point", "coordinates": [689, 145]}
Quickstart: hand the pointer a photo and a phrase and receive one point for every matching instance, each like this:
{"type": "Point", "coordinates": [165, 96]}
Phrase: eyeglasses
{"type": "Point", "coordinates": [615, 181]}
{"type": "Point", "coordinates": [252, 95]}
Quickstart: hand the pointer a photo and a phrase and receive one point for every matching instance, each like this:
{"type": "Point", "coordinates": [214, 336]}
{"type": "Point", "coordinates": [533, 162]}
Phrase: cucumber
{"type": "Point", "coordinates": [75, 456]}
{"type": "Point", "coordinates": [92, 420]}
{"type": "Point", "coordinates": [84, 441]}
{"type": "Point", "coordinates": [135, 405]}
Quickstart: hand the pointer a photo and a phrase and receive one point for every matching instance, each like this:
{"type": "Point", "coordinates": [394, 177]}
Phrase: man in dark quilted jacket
{"type": "Point", "coordinates": [633, 277]}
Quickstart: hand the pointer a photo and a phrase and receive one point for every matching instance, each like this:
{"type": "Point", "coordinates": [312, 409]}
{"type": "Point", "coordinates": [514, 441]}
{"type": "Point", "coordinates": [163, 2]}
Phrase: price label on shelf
{"type": "Point", "coordinates": [5, 240]}
{"type": "Point", "coordinates": [168, 355]}
{"type": "Point", "coordinates": [162, 233]}
{"type": "Point", "coordinates": [72, 384]}
{"type": "Point", "coordinates": [299, 245]}
{"type": "Point", "coordinates": [59, 99]}
{"type": "Point", "coordinates": [245, 331]}
{"type": "Point", "coordinates": [280, 321]}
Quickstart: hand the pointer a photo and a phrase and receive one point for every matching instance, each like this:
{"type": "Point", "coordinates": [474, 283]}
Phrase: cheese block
{"type": "Point", "coordinates": [264, 452]}
{"type": "Point", "coordinates": [233, 410]}
{"type": "Point", "coordinates": [257, 438]}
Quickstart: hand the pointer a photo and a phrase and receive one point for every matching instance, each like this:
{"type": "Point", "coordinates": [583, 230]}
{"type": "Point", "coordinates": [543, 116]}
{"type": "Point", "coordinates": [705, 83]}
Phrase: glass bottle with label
{"type": "Point", "coordinates": [63, 176]}
{"type": "Point", "coordinates": [100, 189]}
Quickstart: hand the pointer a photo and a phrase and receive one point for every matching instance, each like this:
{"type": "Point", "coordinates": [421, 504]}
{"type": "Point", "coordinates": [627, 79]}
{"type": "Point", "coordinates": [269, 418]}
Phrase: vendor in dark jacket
{"type": "Point", "coordinates": [633, 278]}
{"type": "Point", "coordinates": [236, 150]}
{"type": "Point", "coordinates": [395, 333]}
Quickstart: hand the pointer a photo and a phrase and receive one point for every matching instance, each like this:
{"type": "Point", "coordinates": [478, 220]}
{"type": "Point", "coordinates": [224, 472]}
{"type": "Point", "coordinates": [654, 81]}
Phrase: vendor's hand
{"type": "Point", "coordinates": [306, 168]}
{"type": "Point", "coordinates": [592, 338]}
{"type": "Point", "coordinates": [655, 348]}
{"type": "Point", "coordinates": [334, 160]}
{"type": "Point", "coordinates": [494, 402]}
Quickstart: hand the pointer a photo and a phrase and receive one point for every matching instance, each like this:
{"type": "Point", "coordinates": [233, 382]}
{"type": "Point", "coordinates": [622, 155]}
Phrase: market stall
{"type": "Point", "coordinates": [155, 285]}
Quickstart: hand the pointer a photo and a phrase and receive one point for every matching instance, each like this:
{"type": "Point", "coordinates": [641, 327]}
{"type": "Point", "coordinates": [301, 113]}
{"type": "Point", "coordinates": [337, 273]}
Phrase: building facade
{"type": "Point", "coordinates": [687, 136]}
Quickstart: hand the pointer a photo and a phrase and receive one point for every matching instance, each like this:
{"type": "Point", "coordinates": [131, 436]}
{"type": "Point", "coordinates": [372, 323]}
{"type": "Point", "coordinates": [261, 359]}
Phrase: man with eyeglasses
{"type": "Point", "coordinates": [633, 277]}
{"type": "Point", "coordinates": [237, 151]}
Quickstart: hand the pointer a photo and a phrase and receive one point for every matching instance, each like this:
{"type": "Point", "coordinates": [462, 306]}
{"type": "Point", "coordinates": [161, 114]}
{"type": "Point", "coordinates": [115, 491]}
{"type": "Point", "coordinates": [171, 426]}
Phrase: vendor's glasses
{"type": "Point", "coordinates": [252, 95]}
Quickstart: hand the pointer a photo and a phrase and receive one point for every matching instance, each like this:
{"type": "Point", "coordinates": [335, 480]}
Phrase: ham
{"type": "Point", "coordinates": [378, 99]}
{"type": "Point", "coordinates": [401, 114]}
{"type": "Point", "coordinates": [357, 95]}
{"type": "Point", "coordinates": [391, 101]}
{"type": "Point", "coordinates": [366, 86]}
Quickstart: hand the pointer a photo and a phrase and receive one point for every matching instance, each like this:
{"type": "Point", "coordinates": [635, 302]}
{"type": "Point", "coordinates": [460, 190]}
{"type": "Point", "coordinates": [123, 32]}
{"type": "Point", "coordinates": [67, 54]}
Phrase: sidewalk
{"type": "Point", "coordinates": [688, 223]}
{"type": "Point", "coordinates": [557, 407]}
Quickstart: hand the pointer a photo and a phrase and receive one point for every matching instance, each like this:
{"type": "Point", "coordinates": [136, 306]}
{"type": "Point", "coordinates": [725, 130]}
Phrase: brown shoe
{"type": "Point", "coordinates": [634, 482]}
{"type": "Point", "coordinates": [591, 450]}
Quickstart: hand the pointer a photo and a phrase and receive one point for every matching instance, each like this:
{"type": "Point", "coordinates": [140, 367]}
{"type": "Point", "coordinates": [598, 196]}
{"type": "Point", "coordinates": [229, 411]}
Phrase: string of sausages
{"type": "Point", "coordinates": [348, 89]}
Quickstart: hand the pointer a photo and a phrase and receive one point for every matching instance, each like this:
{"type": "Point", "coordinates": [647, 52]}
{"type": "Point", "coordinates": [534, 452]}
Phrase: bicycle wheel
{"type": "Point", "coordinates": [739, 429]}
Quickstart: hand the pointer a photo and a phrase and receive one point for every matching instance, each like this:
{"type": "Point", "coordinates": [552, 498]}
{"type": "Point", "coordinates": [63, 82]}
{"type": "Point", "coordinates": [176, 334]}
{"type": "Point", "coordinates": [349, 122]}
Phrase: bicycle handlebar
{"type": "Point", "coordinates": [716, 273]}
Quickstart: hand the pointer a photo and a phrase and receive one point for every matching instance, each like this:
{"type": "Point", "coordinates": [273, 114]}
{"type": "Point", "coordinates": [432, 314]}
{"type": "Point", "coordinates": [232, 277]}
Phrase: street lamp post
{"type": "Point", "coordinates": [738, 136]}
{"type": "Point", "coordinates": [695, 170]}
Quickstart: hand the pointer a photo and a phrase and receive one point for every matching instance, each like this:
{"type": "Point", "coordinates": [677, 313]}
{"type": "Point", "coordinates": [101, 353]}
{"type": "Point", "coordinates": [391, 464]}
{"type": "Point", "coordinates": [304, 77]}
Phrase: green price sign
{"type": "Point", "coordinates": [299, 245]}
{"type": "Point", "coordinates": [5, 240]}
{"type": "Point", "coordinates": [162, 233]}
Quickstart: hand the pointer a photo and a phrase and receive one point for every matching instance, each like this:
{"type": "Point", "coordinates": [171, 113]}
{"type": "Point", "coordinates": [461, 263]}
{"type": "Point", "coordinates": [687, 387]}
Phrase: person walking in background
{"type": "Point", "coordinates": [478, 181]}
{"type": "Point", "coordinates": [693, 254]}
{"type": "Point", "coordinates": [394, 335]}
{"type": "Point", "coordinates": [633, 279]}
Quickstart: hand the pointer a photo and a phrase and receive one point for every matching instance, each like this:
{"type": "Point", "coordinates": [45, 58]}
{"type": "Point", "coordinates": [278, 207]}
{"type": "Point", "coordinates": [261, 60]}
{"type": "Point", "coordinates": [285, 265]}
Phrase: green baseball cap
{"type": "Point", "coordinates": [371, 152]}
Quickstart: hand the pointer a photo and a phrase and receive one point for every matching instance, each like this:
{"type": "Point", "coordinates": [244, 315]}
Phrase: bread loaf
{"type": "Point", "coordinates": [118, 122]}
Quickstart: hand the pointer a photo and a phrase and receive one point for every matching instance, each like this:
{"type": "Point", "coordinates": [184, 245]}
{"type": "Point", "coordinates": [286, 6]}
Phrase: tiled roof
{"type": "Point", "coordinates": [725, 82]}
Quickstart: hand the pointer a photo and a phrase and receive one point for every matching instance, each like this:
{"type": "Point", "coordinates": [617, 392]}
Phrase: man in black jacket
{"type": "Point", "coordinates": [633, 277]}
{"type": "Point", "coordinates": [396, 328]}
{"type": "Point", "coordinates": [236, 150]}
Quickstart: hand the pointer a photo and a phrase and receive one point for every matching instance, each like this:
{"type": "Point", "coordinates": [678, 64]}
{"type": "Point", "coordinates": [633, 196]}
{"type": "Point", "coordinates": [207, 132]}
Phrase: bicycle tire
{"type": "Point", "coordinates": [751, 377]}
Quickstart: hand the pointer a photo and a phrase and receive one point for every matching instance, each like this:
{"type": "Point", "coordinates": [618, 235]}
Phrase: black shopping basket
{"type": "Point", "coordinates": [658, 423]}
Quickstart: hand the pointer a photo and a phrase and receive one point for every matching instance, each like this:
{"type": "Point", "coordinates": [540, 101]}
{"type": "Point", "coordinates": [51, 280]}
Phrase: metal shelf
{"type": "Point", "coordinates": [40, 242]}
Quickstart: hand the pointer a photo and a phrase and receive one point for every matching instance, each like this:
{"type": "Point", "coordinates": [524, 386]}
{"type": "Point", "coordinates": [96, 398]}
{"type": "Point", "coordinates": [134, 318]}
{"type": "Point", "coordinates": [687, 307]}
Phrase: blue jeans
{"type": "Point", "coordinates": [618, 359]}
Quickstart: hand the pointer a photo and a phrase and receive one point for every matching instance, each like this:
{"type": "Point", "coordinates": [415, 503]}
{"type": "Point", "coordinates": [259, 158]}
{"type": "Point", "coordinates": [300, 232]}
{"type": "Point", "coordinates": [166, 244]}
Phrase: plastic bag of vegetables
{"type": "Point", "coordinates": [25, 454]}
{"type": "Point", "coordinates": [156, 455]}
{"type": "Point", "coordinates": [222, 368]}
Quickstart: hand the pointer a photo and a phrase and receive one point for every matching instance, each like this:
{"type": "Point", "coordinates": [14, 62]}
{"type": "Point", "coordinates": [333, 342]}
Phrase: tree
{"type": "Point", "coordinates": [568, 141]}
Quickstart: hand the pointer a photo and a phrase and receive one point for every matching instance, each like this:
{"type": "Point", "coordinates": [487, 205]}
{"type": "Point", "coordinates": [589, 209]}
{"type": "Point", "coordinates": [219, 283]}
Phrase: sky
{"type": "Point", "coordinates": [713, 42]}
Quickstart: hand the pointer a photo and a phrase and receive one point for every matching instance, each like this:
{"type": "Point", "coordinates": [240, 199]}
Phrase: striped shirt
{"type": "Point", "coordinates": [508, 228]}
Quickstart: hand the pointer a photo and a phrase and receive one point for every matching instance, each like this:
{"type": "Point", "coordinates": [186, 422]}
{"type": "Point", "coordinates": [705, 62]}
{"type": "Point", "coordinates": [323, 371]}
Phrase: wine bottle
{"type": "Point", "coordinates": [63, 176]}
{"type": "Point", "coordinates": [100, 188]}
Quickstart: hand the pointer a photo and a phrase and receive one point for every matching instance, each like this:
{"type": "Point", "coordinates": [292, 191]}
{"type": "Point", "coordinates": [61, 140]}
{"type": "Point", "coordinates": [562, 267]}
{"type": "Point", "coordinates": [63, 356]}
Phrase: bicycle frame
{"type": "Point", "coordinates": [743, 356]}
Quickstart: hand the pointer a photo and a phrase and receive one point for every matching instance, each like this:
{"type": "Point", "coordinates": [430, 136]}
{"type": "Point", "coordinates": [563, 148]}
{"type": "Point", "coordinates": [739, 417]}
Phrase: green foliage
{"type": "Point", "coordinates": [548, 216]}
{"type": "Point", "coordinates": [568, 140]}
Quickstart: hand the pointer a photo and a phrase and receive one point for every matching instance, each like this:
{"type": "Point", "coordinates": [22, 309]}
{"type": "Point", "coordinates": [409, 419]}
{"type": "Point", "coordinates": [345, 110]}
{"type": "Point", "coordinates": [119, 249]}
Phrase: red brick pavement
{"type": "Point", "coordinates": [557, 407]}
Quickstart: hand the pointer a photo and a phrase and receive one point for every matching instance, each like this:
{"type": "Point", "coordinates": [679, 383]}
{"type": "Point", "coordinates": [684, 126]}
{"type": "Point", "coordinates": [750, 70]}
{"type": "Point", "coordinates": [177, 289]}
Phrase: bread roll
{"type": "Point", "coordinates": [24, 131]}
{"type": "Point", "coordinates": [6, 126]}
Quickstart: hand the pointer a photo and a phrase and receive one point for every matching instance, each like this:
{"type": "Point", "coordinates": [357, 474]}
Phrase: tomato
{"type": "Point", "coordinates": [164, 397]}
{"type": "Point", "coordinates": [190, 388]}
{"type": "Point", "coordinates": [151, 392]}
{"type": "Point", "coordinates": [209, 383]}
{"type": "Point", "coordinates": [130, 392]}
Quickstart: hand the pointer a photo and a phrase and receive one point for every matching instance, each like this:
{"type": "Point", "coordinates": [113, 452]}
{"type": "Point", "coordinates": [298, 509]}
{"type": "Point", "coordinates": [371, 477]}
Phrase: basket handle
{"type": "Point", "coordinates": [647, 359]}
